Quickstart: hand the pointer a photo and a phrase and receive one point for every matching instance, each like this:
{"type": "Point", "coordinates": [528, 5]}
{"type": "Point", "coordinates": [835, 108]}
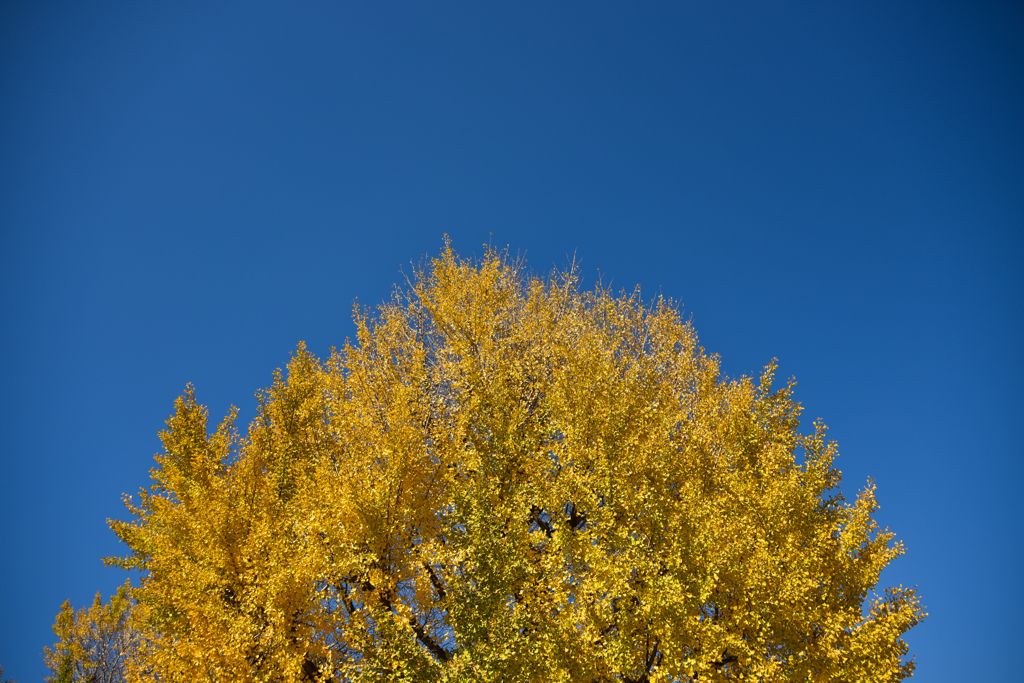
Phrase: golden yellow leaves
{"type": "Point", "coordinates": [509, 478]}
{"type": "Point", "coordinates": [94, 643]}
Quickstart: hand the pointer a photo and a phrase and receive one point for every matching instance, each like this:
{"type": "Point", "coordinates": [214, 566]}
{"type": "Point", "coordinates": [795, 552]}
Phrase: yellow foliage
{"type": "Point", "coordinates": [94, 643]}
{"type": "Point", "coordinates": [509, 478]}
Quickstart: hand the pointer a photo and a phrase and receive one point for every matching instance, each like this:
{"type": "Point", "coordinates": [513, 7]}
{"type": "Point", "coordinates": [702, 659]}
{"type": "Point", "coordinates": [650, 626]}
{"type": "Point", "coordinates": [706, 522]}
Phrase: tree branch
{"type": "Point", "coordinates": [435, 581]}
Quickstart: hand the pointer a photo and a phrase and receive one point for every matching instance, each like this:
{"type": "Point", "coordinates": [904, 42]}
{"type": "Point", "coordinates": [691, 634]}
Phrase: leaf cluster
{"type": "Point", "coordinates": [507, 477]}
{"type": "Point", "coordinates": [93, 644]}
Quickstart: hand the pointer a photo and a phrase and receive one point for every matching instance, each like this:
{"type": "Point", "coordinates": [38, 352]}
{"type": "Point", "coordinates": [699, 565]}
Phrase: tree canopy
{"type": "Point", "coordinates": [507, 477]}
{"type": "Point", "coordinates": [93, 643]}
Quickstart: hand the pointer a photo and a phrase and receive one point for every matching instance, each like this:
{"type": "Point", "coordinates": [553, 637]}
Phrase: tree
{"type": "Point", "coordinates": [509, 478]}
{"type": "Point", "coordinates": [94, 643]}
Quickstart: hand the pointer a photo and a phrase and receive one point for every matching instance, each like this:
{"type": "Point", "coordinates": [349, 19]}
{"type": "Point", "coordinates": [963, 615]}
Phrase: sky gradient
{"type": "Point", "coordinates": [186, 192]}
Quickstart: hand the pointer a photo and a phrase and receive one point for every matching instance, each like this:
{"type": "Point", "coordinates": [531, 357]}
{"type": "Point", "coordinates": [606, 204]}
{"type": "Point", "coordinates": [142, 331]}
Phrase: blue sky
{"type": "Point", "coordinates": [188, 191]}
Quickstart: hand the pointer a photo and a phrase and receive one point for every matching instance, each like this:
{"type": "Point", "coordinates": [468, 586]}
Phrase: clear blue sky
{"type": "Point", "coordinates": [190, 190]}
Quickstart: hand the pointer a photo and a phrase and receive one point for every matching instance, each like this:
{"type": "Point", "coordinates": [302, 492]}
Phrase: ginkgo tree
{"type": "Point", "coordinates": [94, 643]}
{"type": "Point", "coordinates": [507, 477]}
